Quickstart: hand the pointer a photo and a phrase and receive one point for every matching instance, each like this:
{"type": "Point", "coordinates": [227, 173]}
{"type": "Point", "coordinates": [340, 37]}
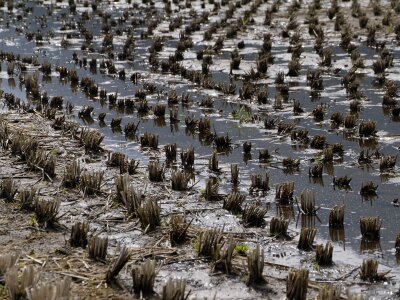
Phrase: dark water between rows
{"type": "Point", "coordinates": [333, 97]}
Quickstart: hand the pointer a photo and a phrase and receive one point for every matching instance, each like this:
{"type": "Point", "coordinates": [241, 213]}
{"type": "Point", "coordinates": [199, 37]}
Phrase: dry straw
{"type": "Point", "coordinates": [143, 277]}
{"type": "Point", "coordinates": [306, 239]}
{"type": "Point", "coordinates": [79, 232]}
{"type": "Point", "coordinates": [323, 255]}
{"type": "Point", "coordinates": [51, 290]}
{"type": "Point", "coordinates": [336, 217]}
{"type": "Point", "coordinates": [114, 270]}
{"type": "Point", "coordinates": [255, 266]}
{"type": "Point", "coordinates": [370, 227]}
{"type": "Point", "coordinates": [178, 229]}
{"type": "Point", "coordinates": [46, 211]}
{"type": "Point", "coordinates": [149, 215]}
{"type": "Point", "coordinates": [18, 285]}
{"type": "Point", "coordinates": [8, 189]}
{"type": "Point", "coordinates": [233, 203]}
{"type": "Point", "coordinates": [278, 227]}
{"type": "Point", "coordinates": [297, 284]}
{"type": "Point", "coordinates": [284, 192]}
{"type": "Point", "coordinates": [98, 248]}
{"type": "Point", "coordinates": [174, 289]}
{"type": "Point", "coordinates": [253, 215]}
{"type": "Point", "coordinates": [90, 182]}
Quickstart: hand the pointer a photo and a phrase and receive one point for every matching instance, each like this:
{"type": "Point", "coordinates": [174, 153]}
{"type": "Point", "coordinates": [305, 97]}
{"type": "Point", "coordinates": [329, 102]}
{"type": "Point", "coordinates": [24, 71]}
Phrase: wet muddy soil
{"type": "Point", "coordinates": [157, 66]}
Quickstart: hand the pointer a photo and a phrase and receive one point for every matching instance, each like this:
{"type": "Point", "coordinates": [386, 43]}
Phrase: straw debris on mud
{"type": "Point", "coordinates": [97, 100]}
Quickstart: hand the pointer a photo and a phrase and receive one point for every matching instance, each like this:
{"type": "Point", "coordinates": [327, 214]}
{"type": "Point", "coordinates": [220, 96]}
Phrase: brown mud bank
{"type": "Point", "coordinates": [52, 179]}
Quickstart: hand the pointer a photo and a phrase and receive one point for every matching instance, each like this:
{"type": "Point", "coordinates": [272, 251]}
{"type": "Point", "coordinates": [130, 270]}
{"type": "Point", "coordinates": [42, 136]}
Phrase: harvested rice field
{"type": "Point", "coordinates": [200, 149]}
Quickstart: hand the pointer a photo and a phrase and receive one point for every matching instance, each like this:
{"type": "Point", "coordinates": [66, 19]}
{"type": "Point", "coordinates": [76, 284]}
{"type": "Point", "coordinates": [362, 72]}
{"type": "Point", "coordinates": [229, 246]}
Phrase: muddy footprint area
{"type": "Point", "coordinates": [220, 149]}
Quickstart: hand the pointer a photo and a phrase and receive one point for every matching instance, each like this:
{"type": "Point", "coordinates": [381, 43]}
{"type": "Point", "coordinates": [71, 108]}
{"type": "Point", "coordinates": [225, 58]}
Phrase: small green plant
{"type": "Point", "coordinates": [34, 222]}
{"type": "Point", "coordinates": [241, 249]}
{"type": "Point", "coordinates": [243, 114]}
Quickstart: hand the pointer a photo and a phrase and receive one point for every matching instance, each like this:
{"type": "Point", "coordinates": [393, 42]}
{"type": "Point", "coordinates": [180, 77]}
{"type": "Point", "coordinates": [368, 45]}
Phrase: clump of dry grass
{"type": "Point", "coordinates": [51, 290]}
{"type": "Point", "coordinates": [149, 140]}
{"type": "Point", "coordinates": [132, 167]}
{"type": "Point", "coordinates": [299, 135]}
{"type": "Point", "coordinates": [174, 289]}
{"type": "Point", "coordinates": [98, 248]}
{"type": "Point", "coordinates": [131, 128]}
{"type": "Point", "coordinates": [179, 180]}
{"type": "Point", "coordinates": [278, 227]}
{"type": "Point", "coordinates": [307, 202]}
{"type": "Point", "coordinates": [369, 271]}
{"type": "Point", "coordinates": [318, 142]}
{"type": "Point", "coordinates": [211, 190]}
{"type": "Point", "coordinates": [387, 162]}
{"type": "Point", "coordinates": [263, 155]}
{"type": "Point", "coordinates": [296, 285]}
{"type": "Point", "coordinates": [367, 128]}
{"type": "Point", "coordinates": [7, 261]}
{"type": "Point", "coordinates": [27, 198]}
{"type": "Point", "coordinates": [306, 239]}
{"type": "Point", "coordinates": [143, 277]}
{"type": "Point", "coordinates": [291, 163]}
{"type": "Point", "coordinates": [316, 169]}
{"type": "Point", "coordinates": [116, 159]}
{"type": "Point", "coordinates": [284, 192]}
{"type": "Point", "coordinates": [72, 174]}
{"type": "Point", "coordinates": [114, 270]}
{"type": "Point", "coordinates": [328, 155]}
{"type": "Point", "coordinates": [4, 134]}
{"type": "Point", "coordinates": [91, 140]}
{"type": "Point", "coordinates": [323, 255]}
{"type": "Point", "coordinates": [207, 242]}
{"type": "Point", "coordinates": [79, 233]}
{"type": "Point", "coordinates": [255, 266]}
{"type": "Point", "coordinates": [336, 217]}
{"type": "Point", "coordinates": [46, 211]}
{"type": "Point", "coordinates": [350, 121]}
{"type": "Point", "coordinates": [234, 174]}
{"type": "Point", "coordinates": [8, 189]}
{"type": "Point", "coordinates": [233, 203]}
{"type": "Point", "coordinates": [342, 182]}
{"type": "Point", "coordinates": [44, 162]}
{"type": "Point", "coordinates": [370, 227]}
{"type": "Point", "coordinates": [126, 194]}
{"type": "Point", "coordinates": [213, 162]}
{"type": "Point", "coordinates": [204, 126]}
{"type": "Point", "coordinates": [156, 171]}
{"type": "Point", "coordinates": [23, 145]}
{"type": "Point", "coordinates": [368, 189]}
{"type": "Point", "coordinates": [397, 244]}
{"type": "Point", "coordinates": [90, 183]}
{"type": "Point", "coordinates": [121, 182]}
{"type": "Point", "coordinates": [294, 67]}
{"type": "Point", "coordinates": [222, 143]}
{"type": "Point", "coordinates": [170, 151]}
{"type": "Point", "coordinates": [258, 182]}
{"type": "Point", "coordinates": [253, 215]}
{"type": "Point", "coordinates": [178, 229]}
{"type": "Point", "coordinates": [330, 292]}
{"type": "Point", "coordinates": [17, 285]}
{"type": "Point", "coordinates": [222, 260]}
{"type": "Point", "coordinates": [247, 147]}
{"type": "Point", "coordinates": [187, 157]}
{"type": "Point", "coordinates": [149, 215]}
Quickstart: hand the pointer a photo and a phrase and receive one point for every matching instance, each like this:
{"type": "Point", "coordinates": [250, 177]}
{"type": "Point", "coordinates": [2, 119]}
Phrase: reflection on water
{"type": "Point", "coordinates": [140, 76]}
{"type": "Point", "coordinates": [367, 246]}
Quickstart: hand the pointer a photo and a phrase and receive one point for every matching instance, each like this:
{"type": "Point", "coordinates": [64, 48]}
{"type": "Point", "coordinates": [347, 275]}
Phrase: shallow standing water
{"type": "Point", "coordinates": [332, 97]}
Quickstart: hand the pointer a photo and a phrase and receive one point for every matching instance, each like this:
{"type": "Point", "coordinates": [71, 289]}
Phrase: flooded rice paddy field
{"type": "Point", "coordinates": [299, 79]}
